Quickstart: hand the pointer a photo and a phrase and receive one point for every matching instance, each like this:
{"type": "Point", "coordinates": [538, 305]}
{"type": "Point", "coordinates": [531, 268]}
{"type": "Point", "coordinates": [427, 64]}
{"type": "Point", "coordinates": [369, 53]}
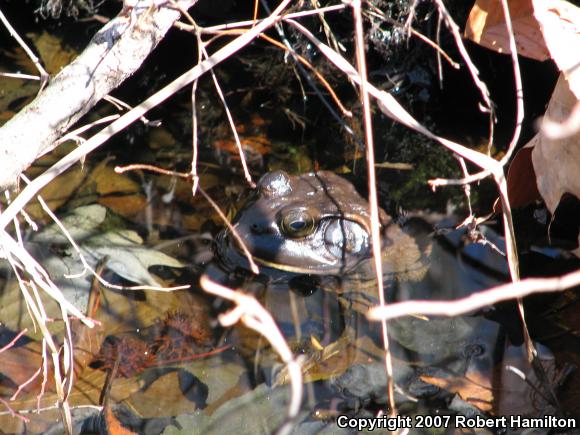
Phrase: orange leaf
{"type": "Point", "coordinates": [114, 425]}
{"type": "Point", "coordinates": [521, 178]}
{"type": "Point", "coordinates": [486, 26]}
{"type": "Point", "coordinates": [476, 390]}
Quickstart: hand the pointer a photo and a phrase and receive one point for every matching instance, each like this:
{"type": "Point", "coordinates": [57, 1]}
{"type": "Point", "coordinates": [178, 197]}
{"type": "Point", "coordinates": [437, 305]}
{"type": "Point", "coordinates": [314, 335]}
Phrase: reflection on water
{"type": "Point", "coordinates": [467, 365]}
{"type": "Point", "coordinates": [464, 365]}
{"type": "Point", "coordinates": [163, 364]}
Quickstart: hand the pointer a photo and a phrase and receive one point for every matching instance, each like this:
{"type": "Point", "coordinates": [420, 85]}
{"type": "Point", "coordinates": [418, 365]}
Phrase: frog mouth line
{"type": "Point", "coordinates": [288, 268]}
{"type": "Point", "coordinates": [413, 273]}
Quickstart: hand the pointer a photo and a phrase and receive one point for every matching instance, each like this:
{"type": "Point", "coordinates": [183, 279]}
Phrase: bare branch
{"type": "Point", "coordinates": [252, 314]}
{"type": "Point", "coordinates": [98, 139]}
{"type": "Point", "coordinates": [373, 202]}
{"type": "Point", "coordinates": [113, 54]}
{"type": "Point", "coordinates": [478, 300]}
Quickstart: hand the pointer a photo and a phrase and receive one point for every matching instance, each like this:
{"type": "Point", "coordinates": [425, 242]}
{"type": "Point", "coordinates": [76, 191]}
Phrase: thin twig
{"type": "Point", "coordinates": [390, 106]}
{"type": "Point", "coordinates": [202, 52]}
{"type": "Point", "coordinates": [373, 202]}
{"type": "Point", "coordinates": [484, 91]}
{"type": "Point", "coordinates": [318, 75]}
{"type": "Point", "coordinates": [74, 135]}
{"type": "Point", "coordinates": [195, 127]}
{"type": "Point", "coordinates": [120, 104]}
{"type": "Point", "coordinates": [476, 301]}
{"type": "Point", "coordinates": [14, 340]}
{"type": "Point", "coordinates": [38, 313]}
{"type": "Point", "coordinates": [44, 76]}
{"type": "Point", "coordinates": [252, 314]}
{"type": "Point", "coordinates": [511, 248]}
{"type": "Point", "coordinates": [230, 121]}
{"type": "Point", "coordinates": [12, 412]}
{"type": "Point", "coordinates": [39, 275]}
{"type": "Point", "coordinates": [53, 407]}
{"type": "Point", "coordinates": [466, 187]}
{"type": "Point", "coordinates": [233, 231]}
{"type": "Point", "coordinates": [223, 217]}
{"type": "Point", "coordinates": [23, 385]}
{"type": "Point", "coordinates": [330, 38]}
{"type": "Point", "coordinates": [98, 139]}
{"type": "Point", "coordinates": [19, 76]}
{"type": "Point", "coordinates": [440, 52]}
{"type": "Point", "coordinates": [251, 23]}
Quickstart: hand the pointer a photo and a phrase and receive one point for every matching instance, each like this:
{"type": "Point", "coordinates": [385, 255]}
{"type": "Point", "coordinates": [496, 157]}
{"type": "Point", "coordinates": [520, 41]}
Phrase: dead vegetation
{"type": "Point", "coordinates": [120, 47]}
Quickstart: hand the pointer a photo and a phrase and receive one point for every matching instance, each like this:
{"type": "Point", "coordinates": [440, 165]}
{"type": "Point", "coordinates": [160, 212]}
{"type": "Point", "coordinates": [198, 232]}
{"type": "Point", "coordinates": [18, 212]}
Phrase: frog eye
{"type": "Point", "coordinates": [297, 223]}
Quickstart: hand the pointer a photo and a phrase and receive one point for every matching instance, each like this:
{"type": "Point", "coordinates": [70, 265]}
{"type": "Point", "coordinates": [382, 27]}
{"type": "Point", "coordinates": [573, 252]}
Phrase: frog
{"type": "Point", "coordinates": [317, 224]}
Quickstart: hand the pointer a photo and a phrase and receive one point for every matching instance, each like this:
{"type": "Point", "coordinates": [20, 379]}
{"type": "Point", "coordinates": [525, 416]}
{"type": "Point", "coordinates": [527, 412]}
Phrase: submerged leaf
{"type": "Point", "coordinates": [260, 411]}
{"type": "Point", "coordinates": [81, 223]}
{"type": "Point", "coordinates": [126, 256]}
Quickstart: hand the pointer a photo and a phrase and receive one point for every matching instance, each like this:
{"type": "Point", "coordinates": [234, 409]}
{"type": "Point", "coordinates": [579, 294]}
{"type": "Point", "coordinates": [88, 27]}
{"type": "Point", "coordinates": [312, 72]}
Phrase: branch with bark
{"type": "Point", "coordinates": [114, 54]}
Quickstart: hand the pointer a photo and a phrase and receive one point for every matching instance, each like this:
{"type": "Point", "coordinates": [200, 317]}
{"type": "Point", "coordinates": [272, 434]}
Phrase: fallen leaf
{"type": "Point", "coordinates": [126, 256]}
{"type": "Point", "coordinates": [521, 179]}
{"type": "Point", "coordinates": [486, 26]}
{"type": "Point", "coordinates": [52, 51]}
{"type": "Point", "coordinates": [114, 426]}
{"type": "Point", "coordinates": [261, 410]}
{"type": "Point", "coordinates": [543, 29]}
{"type": "Point", "coordinates": [173, 393]}
{"type": "Point", "coordinates": [57, 193]}
{"type": "Point", "coordinates": [560, 24]}
{"type": "Point", "coordinates": [557, 160]}
{"type": "Point", "coordinates": [81, 223]}
{"type": "Point", "coordinates": [115, 191]}
{"type": "Point", "coordinates": [502, 390]}
{"type": "Point", "coordinates": [475, 389]}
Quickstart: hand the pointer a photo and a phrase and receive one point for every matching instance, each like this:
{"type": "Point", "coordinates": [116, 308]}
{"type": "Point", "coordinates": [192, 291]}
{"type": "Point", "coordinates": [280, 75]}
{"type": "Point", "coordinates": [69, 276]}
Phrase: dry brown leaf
{"type": "Point", "coordinates": [521, 179]}
{"type": "Point", "coordinates": [120, 314]}
{"type": "Point", "coordinates": [116, 191]}
{"type": "Point", "coordinates": [475, 390]}
{"type": "Point", "coordinates": [557, 161]}
{"type": "Point", "coordinates": [53, 53]}
{"type": "Point", "coordinates": [486, 26]}
{"type": "Point", "coordinates": [18, 365]}
{"type": "Point", "coordinates": [114, 426]}
{"type": "Point", "coordinates": [15, 316]}
{"type": "Point", "coordinates": [161, 138]}
{"type": "Point", "coordinates": [543, 29]}
{"type": "Point", "coordinates": [163, 397]}
{"type": "Point", "coordinates": [57, 193]}
{"type": "Point", "coordinates": [560, 24]}
{"type": "Point", "coordinates": [510, 388]}
{"type": "Point", "coordinates": [86, 391]}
